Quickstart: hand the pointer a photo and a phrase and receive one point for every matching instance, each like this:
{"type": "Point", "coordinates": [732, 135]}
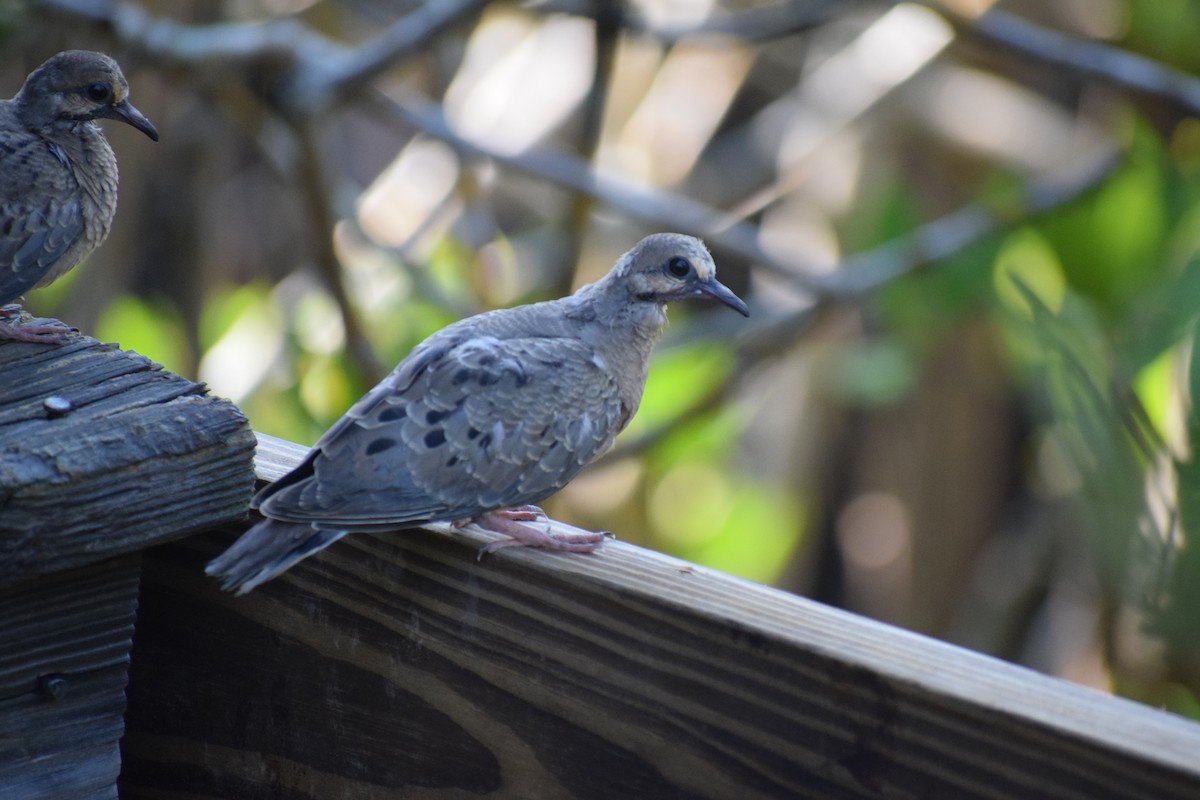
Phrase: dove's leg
{"type": "Point", "coordinates": [527, 513]}
{"type": "Point", "coordinates": [14, 326]}
{"type": "Point", "coordinates": [515, 524]}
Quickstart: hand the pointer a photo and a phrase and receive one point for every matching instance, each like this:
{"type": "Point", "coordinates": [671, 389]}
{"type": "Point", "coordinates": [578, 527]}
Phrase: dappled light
{"type": "Point", "coordinates": [965, 401]}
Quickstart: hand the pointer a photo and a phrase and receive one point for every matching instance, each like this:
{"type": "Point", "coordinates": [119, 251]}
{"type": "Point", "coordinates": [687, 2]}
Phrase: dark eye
{"type": "Point", "coordinates": [679, 266]}
{"type": "Point", "coordinates": [99, 92]}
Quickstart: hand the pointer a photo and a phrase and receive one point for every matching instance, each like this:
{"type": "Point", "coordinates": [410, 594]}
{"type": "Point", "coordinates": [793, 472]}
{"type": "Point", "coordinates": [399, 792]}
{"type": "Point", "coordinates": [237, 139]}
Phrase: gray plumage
{"type": "Point", "coordinates": [493, 412]}
{"type": "Point", "coordinates": [59, 189]}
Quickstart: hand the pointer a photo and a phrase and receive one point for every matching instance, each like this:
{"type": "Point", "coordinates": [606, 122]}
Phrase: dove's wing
{"type": "Point", "coordinates": [37, 226]}
{"type": "Point", "coordinates": [456, 431]}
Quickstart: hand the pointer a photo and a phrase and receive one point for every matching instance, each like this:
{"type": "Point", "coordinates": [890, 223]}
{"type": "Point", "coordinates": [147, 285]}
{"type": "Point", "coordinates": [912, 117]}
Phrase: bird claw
{"type": "Point", "coordinates": [17, 325]}
{"type": "Point", "coordinates": [526, 513]}
{"type": "Point", "coordinates": [514, 523]}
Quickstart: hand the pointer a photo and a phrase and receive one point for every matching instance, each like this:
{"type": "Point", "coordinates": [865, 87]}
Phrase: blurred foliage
{"type": "Point", "coordinates": [995, 444]}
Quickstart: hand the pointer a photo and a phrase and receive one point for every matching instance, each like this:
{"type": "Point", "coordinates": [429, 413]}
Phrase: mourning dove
{"type": "Point", "coordinates": [59, 188]}
{"type": "Point", "coordinates": [483, 418]}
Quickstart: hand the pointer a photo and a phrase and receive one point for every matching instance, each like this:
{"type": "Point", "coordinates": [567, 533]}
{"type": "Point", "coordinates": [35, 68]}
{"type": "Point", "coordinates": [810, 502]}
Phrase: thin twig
{"type": "Point", "coordinates": [312, 73]}
{"type": "Point", "coordinates": [642, 202]}
{"type": "Point", "coordinates": [859, 274]}
{"type": "Point", "coordinates": [943, 237]}
{"type": "Point", "coordinates": [321, 86]}
{"type": "Point", "coordinates": [1089, 58]}
{"type": "Point", "coordinates": [762, 24]}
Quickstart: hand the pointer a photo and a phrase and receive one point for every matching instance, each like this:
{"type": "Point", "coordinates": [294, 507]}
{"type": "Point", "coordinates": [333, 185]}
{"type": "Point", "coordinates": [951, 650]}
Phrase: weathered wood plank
{"type": "Point", "coordinates": [400, 665]}
{"type": "Point", "coordinates": [64, 657]}
{"type": "Point", "coordinates": [90, 434]}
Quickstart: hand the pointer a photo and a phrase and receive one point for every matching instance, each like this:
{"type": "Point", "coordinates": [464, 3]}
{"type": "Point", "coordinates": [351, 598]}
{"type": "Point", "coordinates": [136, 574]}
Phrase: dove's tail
{"type": "Point", "coordinates": [266, 550]}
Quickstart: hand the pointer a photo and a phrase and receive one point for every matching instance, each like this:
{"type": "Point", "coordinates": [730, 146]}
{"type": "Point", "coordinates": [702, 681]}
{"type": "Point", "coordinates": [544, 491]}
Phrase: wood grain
{"type": "Point", "coordinates": [102, 452]}
{"type": "Point", "coordinates": [400, 665]}
{"type": "Point", "coordinates": [64, 658]}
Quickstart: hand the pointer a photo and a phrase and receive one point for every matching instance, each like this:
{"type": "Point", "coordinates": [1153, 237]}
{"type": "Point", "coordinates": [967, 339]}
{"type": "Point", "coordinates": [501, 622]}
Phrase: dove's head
{"type": "Point", "coordinates": [78, 86]}
{"type": "Point", "coordinates": [665, 267]}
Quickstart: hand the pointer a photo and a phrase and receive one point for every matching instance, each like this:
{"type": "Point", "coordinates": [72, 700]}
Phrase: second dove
{"type": "Point", "coordinates": [485, 417]}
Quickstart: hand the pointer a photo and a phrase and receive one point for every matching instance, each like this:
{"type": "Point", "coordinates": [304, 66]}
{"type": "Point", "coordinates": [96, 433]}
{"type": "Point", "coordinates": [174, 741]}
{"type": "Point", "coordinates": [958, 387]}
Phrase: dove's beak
{"type": "Point", "coordinates": [125, 112]}
{"type": "Point", "coordinates": [720, 292]}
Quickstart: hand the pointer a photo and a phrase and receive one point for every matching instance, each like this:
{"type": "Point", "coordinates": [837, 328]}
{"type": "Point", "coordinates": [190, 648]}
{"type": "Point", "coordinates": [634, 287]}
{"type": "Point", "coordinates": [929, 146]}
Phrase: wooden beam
{"type": "Point", "coordinates": [103, 452]}
{"type": "Point", "coordinates": [64, 661]}
{"type": "Point", "coordinates": [402, 665]}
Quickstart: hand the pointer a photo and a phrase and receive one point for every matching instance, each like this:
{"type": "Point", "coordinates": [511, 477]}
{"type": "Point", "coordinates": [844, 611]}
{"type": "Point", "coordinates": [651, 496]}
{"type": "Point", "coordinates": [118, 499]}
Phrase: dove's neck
{"type": "Point", "coordinates": [626, 319]}
{"type": "Point", "coordinates": [623, 330]}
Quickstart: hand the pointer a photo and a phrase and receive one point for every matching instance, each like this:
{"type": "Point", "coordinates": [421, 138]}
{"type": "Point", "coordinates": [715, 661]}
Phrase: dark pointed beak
{"type": "Point", "coordinates": [719, 291]}
{"type": "Point", "coordinates": [125, 112]}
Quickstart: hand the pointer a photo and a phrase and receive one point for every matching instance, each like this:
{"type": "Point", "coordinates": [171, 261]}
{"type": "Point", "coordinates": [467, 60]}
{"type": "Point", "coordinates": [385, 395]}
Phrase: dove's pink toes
{"type": "Point", "coordinates": [521, 534]}
{"type": "Point", "coordinates": [13, 329]}
{"type": "Point", "coordinates": [526, 513]}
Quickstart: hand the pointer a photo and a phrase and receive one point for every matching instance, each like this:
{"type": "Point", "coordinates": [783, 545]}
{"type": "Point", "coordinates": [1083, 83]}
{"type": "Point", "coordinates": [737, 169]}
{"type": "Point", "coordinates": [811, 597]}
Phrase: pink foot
{"type": "Point", "coordinates": [514, 523]}
{"type": "Point", "coordinates": [13, 327]}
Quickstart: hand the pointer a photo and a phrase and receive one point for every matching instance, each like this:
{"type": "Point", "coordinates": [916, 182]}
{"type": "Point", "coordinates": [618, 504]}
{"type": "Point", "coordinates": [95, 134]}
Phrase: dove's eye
{"type": "Point", "coordinates": [679, 266]}
{"type": "Point", "coordinates": [99, 92]}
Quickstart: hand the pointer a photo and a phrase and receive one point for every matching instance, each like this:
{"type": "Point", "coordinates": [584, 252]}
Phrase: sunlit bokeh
{"type": "Point", "coordinates": [966, 400]}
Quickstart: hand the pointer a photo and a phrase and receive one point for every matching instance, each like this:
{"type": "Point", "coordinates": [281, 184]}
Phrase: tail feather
{"type": "Point", "coordinates": [266, 550]}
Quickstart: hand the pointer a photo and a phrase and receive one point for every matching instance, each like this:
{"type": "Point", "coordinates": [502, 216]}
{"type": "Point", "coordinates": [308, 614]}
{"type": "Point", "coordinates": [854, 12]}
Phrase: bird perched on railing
{"type": "Point", "coordinates": [485, 417]}
{"type": "Point", "coordinates": [58, 190]}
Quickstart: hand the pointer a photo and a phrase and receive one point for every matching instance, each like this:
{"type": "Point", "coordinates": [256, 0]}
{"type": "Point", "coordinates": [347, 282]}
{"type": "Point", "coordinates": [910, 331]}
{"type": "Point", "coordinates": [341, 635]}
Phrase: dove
{"type": "Point", "coordinates": [59, 189]}
{"type": "Point", "coordinates": [483, 419]}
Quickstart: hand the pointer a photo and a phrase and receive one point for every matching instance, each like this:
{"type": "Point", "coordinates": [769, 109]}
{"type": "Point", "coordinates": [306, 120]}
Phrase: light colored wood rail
{"type": "Point", "coordinates": [400, 665]}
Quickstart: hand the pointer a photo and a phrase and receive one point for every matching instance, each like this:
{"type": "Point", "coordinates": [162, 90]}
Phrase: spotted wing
{"type": "Point", "coordinates": [484, 424]}
{"type": "Point", "coordinates": [41, 218]}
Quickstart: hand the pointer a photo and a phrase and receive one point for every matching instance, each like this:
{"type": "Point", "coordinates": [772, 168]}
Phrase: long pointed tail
{"type": "Point", "coordinates": [266, 550]}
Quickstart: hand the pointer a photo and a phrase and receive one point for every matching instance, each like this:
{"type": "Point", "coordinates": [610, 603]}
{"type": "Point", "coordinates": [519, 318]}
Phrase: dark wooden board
{"type": "Point", "coordinates": [142, 456]}
{"type": "Point", "coordinates": [399, 665]}
{"type": "Point", "coordinates": [64, 659]}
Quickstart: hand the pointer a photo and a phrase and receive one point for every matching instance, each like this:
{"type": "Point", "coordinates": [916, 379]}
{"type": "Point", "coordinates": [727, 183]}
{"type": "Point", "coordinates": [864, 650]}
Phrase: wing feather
{"type": "Point", "coordinates": [457, 429]}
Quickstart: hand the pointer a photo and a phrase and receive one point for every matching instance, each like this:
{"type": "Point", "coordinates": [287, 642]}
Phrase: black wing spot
{"type": "Point", "coordinates": [435, 438]}
{"type": "Point", "coordinates": [472, 433]}
{"type": "Point", "coordinates": [379, 445]}
{"type": "Point", "coordinates": [486, 441]}
{"type": "Point", "coordinates": [435, 416]}
{"type": "Point", "coordinates": [392, 413]}
{"type": "Point", "coordinates": [460, 376]}
{"type": "Point", "coordinates": [450, 462]}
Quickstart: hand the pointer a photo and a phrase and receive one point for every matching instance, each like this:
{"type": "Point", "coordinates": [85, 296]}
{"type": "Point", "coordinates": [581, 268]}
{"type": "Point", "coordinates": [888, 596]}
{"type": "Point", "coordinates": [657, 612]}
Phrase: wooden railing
{"type": "Point", "coordinates": [402, 665]}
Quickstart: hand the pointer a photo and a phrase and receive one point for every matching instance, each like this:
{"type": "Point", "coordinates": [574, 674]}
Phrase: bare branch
{"type": "Point", "coordinates": [639, 201]}
{"type": "Point", "coordinates": [761, 24]}
{"type": "Point", "coordinates": [322, 85]}
{"type": "Point", "coordinates": [314, 73]}
{"type": "Point", "coordinates": [954, 232]}
{"type": "Point", "coordinates": [1089, 58]}
{"type": "Point", "coordinates": [859, 274]}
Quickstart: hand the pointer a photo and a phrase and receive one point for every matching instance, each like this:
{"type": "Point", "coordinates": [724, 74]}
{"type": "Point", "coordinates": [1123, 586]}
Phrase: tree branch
{"type": "Point", "coordinates": [1089, 58]}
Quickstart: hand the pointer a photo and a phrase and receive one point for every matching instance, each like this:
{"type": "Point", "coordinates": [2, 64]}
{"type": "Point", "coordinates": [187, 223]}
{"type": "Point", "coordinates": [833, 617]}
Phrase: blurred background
{"type": "Point", "coordinates": [968, 232]}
